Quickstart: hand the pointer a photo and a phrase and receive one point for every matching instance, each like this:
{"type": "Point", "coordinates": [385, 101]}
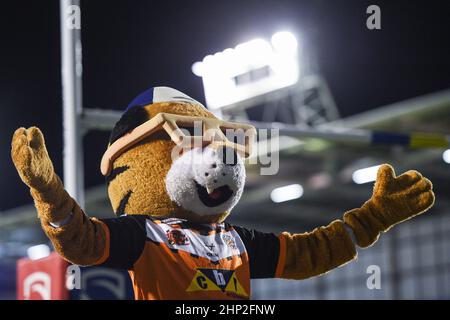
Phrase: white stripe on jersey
{"type": "Point", "coordinates": [213, 247]}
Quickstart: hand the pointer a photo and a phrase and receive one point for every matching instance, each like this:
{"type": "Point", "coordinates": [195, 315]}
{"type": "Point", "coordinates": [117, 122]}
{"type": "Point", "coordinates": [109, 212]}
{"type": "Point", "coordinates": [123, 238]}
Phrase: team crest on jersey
{"type": "Point", "coordinates": [177, 237]}
{"type": "Point", "coordinates": [217, 280]}
{"type": "Point", "coordinates": [229, 241]}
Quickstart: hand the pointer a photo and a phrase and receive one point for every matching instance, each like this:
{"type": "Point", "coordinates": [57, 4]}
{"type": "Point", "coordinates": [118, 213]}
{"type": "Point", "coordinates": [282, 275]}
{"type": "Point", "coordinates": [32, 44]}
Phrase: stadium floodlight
{"type": "Point", "coordinates": [365, 175]}
{"type": "Point", "coordinates": [38, 252]}
{"type": "Point", "coordinates": [250, 69]}
{"type": "Point", "coordinates": [286, 193]}
{"type": "Point", "coordinates": [284, 42]}
{"type": "Point", "coordinates": [446, 156]}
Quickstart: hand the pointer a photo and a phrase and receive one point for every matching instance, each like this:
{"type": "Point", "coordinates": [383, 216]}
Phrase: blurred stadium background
{"type": "Point", "coordinates": [343, 84]}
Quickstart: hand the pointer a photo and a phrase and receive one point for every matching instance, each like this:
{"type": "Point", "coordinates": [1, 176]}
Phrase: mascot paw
{"type": "Point", "coordinates": [402, 197]}
{"type": "Point", "coordinates": [394, 200]}
{"type": "Point", "coordinates": [31, 159]}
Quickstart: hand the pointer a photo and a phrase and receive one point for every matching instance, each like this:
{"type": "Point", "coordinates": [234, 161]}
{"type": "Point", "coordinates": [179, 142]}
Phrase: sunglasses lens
{"type": "Point", "coordinates": [204, 131]}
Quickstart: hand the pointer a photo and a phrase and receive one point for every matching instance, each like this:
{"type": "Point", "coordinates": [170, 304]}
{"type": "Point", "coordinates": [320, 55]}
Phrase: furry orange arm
{"type": "Point", "coordinates": [310, 254]}
{"type": "Point", "coordinates": [82, 240]}
{"type": "Point", "coordinates": [394, 199]}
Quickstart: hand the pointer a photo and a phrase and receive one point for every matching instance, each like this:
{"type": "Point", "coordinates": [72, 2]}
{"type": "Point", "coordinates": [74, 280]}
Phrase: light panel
{"type": "Point", "coordinates": [250, 69]}
{"type": "Point", "coordinates": [38, 252]}
{"type": "Point", "coordinates": [365, 175]}
{"type": "Point", "coordinates": [286, 193]}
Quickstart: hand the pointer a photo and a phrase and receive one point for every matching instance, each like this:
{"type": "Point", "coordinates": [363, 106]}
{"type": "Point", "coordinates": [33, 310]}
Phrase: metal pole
{"type": "Point", "coordinates": [70, 23]}
{"type": "Point", "coordinates": [105, 120]}
{"type": "Point", "coordinates": [362, 137]}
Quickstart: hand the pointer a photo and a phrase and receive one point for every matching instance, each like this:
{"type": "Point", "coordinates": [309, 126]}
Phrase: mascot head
{"type": "Point", "coordinates": [169, 156]}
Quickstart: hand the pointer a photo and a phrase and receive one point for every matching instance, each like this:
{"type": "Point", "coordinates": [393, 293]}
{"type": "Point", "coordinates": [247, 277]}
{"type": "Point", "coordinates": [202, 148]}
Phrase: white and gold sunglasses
{"type": "Point", "coordinates": [186, 132]}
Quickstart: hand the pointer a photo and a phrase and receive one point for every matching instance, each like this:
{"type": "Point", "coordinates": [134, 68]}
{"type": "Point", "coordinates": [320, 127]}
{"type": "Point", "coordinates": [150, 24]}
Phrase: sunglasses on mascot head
{"type": "Point", "coordinates": [186, 132]}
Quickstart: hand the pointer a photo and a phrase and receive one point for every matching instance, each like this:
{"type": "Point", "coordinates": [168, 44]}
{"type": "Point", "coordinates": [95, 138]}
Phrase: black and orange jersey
{"type": "Point", "coordinates": [170, 258]}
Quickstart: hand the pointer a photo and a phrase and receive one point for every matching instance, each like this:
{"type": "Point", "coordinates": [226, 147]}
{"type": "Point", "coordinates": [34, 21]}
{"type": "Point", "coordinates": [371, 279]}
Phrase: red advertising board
{"type": "Point", "coordinates": [42, 279]}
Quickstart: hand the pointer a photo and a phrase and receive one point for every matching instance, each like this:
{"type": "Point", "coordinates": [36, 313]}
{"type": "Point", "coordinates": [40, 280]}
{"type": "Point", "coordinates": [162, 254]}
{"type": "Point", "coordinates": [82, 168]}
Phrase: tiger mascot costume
{"type": "Point", "coordinates": [170, 231]}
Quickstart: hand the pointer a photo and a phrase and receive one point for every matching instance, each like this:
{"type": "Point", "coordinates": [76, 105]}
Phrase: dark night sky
{"type": "Point", "coordinates": [129, 46]}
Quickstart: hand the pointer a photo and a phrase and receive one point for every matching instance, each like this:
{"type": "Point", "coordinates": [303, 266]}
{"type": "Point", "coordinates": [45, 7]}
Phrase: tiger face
{"type": "Point", "coordinates": [199, 185]}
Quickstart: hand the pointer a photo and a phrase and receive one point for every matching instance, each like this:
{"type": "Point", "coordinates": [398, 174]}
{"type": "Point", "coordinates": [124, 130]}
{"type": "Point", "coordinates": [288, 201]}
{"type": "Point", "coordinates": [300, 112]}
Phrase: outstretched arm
{"type": "Point", "coordinates": [310, 254]}
{"type": "Point", "coordinates": [80, 240]}
{"type": "Point", "coordinates": [394, 199]}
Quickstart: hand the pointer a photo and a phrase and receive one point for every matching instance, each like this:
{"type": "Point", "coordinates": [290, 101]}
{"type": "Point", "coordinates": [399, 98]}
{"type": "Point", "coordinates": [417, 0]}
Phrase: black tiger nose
{"type": "Point", "coordinates": [228, 156]}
